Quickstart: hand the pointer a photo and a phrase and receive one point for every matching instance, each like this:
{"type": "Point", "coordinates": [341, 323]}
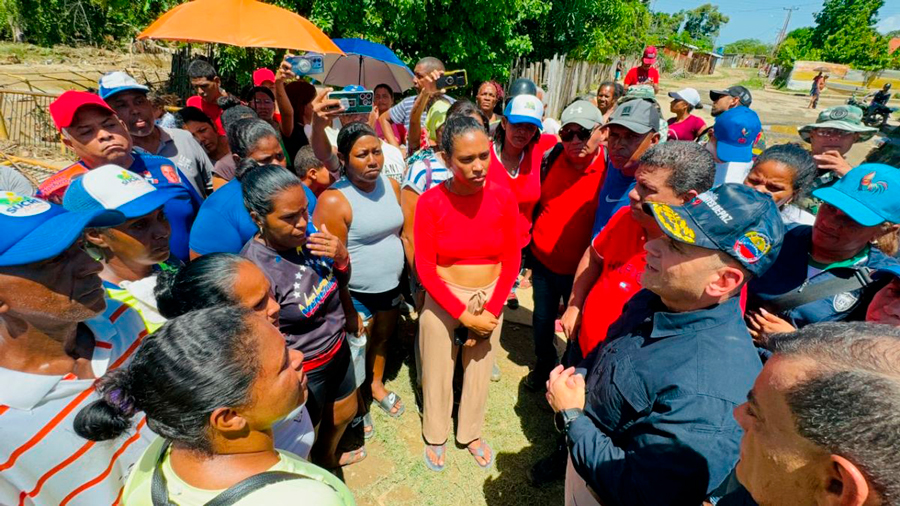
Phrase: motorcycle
{"type": "Point", "coordinates": [873, 116]}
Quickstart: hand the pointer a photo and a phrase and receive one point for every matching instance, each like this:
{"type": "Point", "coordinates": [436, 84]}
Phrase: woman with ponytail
{"type": "Point", "coordinates": [212, 383]}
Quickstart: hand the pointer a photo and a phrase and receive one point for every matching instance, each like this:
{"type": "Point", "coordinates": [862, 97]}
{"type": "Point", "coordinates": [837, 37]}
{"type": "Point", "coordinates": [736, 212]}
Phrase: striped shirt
{"type": "Point", "coordinates": [417, 178]}
{"type": "Point", "coordinates": [42, 460]}
{"type": "Point", "coordinates": [400, 113]}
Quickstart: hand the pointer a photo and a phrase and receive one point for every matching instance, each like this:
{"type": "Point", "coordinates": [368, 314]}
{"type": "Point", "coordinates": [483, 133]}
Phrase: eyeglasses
{"type": "Point", "coordinates": [829, 132]}
{"type": "Point", "coordinates": [568, 135]}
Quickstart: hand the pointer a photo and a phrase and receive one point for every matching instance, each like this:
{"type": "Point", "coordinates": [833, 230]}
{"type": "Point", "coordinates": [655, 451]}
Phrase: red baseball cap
{"type": "Point", "coordinates": [64, 108]}
{"type": "Point", "coordinates": [262, 75]}
{"type": "Point", "coordinates": [650, 55]}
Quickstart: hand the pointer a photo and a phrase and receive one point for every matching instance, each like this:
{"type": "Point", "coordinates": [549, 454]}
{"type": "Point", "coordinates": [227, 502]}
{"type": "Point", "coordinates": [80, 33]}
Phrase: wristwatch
{"type": "Point", "coordinates": [564, 418]}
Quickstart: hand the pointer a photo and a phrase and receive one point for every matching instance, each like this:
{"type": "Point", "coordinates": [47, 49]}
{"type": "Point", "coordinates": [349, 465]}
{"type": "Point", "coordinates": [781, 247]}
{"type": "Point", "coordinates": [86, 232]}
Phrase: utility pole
{"type": "Point", "coordinates": [783, 33]}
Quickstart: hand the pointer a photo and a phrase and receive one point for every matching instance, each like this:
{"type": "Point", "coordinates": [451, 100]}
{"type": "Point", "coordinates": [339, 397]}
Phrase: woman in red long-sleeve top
{"type": "Point", "coordinates": [467, 258]}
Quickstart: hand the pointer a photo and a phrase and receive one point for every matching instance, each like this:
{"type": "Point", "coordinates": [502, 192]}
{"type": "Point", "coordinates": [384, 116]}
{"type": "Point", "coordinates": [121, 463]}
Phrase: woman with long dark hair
{"type": "Point", "coordinates": [212, 383]}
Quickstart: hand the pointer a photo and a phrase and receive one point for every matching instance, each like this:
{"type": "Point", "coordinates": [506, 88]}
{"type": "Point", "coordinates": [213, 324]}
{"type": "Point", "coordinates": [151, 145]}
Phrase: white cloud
{"type": "Point", "coordinates": [889, 24]}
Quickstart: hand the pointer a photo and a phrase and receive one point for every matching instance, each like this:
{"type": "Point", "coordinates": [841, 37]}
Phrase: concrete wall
{"type": "Point", "coordinates": [841, 77]}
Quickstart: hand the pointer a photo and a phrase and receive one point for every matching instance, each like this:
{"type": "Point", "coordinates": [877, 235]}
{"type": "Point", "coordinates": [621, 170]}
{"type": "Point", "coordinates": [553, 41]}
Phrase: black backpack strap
{"type": "Point", "coordinates": [843, 280]}
{"type": "Point", "coordinates": [159, 491]}
{"type": "Point", "coordinates": [247, 486]}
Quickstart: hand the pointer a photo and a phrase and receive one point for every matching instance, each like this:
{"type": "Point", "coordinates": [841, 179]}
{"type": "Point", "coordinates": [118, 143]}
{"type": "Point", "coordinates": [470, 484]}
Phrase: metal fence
{"type": "Point", "coordinates": [25, 119]}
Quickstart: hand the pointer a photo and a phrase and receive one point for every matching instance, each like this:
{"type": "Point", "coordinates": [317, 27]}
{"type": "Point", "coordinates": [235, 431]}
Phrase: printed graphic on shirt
{"type": "Point", "coordinates": [752, 246]}
{"type": "Point", "coordinates": [674, 223]}
{"type": "Point", "coordinates": [19, 206]}
{"type": "Point", "coordinates": [310, 302]}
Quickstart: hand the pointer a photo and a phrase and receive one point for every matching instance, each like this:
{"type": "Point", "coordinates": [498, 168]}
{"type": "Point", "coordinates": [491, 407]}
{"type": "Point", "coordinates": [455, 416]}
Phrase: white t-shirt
{"type": "Point", "coordinates": [732, 172]}
{"type": "Point", "coordinates": [40, 454]}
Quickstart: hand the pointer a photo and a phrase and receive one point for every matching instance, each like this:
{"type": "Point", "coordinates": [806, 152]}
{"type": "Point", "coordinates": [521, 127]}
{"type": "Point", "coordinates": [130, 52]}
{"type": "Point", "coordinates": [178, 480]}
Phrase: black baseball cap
{"type": "Point", "coordinates": [732, 218]}
{"type": "Point", "coordinates": [739, 92]}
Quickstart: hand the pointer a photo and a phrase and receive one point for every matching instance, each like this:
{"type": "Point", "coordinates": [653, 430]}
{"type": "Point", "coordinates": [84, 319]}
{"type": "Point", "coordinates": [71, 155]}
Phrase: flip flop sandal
{"type": "Point", "coordinates": [387, 404]}
{"type": "Point", "coordinates": [438, 452]}
{"type": "Point", "coordinates": [480, 453]}
{"type": "Point", "coordinates": [356, 456]}
{"type": "Point", "coordinates": [368, 423]}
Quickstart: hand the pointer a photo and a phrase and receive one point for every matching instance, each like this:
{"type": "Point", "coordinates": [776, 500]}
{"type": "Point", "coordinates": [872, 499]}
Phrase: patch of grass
{"type": "Point", "coordinates": [754, 83]}
{"type": "Point", "coordinates": [517, 426]}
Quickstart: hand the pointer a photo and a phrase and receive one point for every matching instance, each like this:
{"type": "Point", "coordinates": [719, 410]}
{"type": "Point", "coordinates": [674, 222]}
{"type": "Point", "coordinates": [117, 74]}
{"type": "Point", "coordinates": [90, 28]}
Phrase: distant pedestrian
{"type": "Point", "coordinates": [818, 85]}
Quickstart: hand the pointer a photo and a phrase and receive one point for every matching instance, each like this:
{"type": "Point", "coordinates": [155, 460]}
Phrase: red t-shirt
{"type": "Point", "coordinates": [453, 229]}
{"type": "Point", "coordinates": [621, 245]}
{"type": "Point", "coordinates": [526, 186]}
{"type": "Point", "coordinates": [638, 75]}
{"type": "Point", "coordinates": [212, 110]}
{"type": "Point", "coordinates": [686, 130]}
{"type": "Point", "coordinates": [562, 229]}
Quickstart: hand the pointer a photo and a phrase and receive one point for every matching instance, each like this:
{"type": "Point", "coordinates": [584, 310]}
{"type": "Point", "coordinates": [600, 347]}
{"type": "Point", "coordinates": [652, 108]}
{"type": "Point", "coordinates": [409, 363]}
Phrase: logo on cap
{"type": "Point", "coordinates": [752, 246]}
{"type": "Point", "coordinates": [838, 113]}
{"type": "Point", "coordinates": [674, 223]}
{"type": "Point", "coordinates": [127, 177]}
{"type": "Point", "coordinates": [626, 111]}
{"type": "Point", "coordinates": [867, 183]}
{"type": "Point", "coordinates": [19, 206]}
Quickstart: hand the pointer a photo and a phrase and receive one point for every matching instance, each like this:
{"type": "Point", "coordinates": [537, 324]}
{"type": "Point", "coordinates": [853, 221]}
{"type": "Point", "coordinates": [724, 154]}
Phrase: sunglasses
{"type": "Point", "coordinates": [568, 135]}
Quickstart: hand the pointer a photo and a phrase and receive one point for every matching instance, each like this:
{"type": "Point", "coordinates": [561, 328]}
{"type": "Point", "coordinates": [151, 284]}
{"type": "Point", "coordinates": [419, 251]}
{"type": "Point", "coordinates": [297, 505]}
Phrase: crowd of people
{"type": "Point", "coordinates": [197, 313]}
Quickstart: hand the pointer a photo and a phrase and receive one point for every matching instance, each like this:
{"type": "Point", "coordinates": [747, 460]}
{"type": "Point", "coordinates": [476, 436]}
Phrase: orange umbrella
{"type": "Point", "coordinates": [243, 23]}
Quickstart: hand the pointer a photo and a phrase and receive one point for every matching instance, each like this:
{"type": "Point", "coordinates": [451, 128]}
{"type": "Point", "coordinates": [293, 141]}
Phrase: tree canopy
{"type": "Point", "coordinates": [748, 46]}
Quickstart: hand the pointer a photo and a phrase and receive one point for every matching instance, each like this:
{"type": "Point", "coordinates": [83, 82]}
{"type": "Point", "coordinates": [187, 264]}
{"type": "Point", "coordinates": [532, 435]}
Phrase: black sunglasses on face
{"type": "Point", "coordinates": [568, 135]}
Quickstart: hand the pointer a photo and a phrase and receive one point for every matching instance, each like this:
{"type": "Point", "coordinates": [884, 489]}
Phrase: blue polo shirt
{"type": "Point", "coordinates": [613, 196]}
{"type": "Point", "coordinates": [658, 425]}
{"type": "Point", "coordinates": [180, 211]}
{"type": "Point", "coordinates": [224, 225]}
{"type": "Point", "coordinates": [791, 270]}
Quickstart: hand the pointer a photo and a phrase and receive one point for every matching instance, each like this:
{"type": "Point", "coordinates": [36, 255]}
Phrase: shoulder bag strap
{"type": "Point", "coordinates": [843, 280]}
{"type": "Point", "coordinates": [159, 492]}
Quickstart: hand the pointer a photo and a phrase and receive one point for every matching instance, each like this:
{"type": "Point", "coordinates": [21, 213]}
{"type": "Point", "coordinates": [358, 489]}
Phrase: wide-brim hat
{"type": "Point", "coordinates": [843, 117]}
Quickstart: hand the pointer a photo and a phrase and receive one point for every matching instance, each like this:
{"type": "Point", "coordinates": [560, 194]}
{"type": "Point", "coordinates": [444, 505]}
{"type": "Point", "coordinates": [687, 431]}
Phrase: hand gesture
{"type": "Point", "coordinates": [285, 70]}
{"type": "Point", "coordinates": [428, 82]}
{"type": "Point", "coordinates": [833, 161]}
{"type": "Point", "coordinates": [324, 244]}
{"type": "Point", "coordinates": [763, 324]}
{"type": "Point", "coordinates": [571, 322]}
{"type": "Point", "coordinates": [565, 389]}
{"type": "Point", "coordinates": [482, 325]}
{"type": "Point", "coordinates": [325, 109]}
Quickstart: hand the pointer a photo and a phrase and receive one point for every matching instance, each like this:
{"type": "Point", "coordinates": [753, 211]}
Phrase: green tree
{"type": "Point", "coordinates": [704, 22]}
{"type": "Point", "coordinates": [664, 27]}
{"type": "Point", "coordinates": [748, 46]}
{"type": "Point", "coordinates": [845, 33]}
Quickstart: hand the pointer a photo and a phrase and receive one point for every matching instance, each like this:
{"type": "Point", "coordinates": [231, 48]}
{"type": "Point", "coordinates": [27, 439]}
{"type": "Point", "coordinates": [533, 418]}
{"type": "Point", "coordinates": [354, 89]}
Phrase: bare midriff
{"type": "Point", "coordinates": [469, 275]}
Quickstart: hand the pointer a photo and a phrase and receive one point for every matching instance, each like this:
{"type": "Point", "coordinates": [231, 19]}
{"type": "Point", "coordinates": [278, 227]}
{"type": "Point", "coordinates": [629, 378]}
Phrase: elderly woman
{"type": "Point", "coordinates": [786, 172]}
{"type": "Point", "coordinates": [823, 271]}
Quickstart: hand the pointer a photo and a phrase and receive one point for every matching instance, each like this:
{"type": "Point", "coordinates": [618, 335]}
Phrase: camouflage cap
{"type": "Point", "coordinates": [842, 117]}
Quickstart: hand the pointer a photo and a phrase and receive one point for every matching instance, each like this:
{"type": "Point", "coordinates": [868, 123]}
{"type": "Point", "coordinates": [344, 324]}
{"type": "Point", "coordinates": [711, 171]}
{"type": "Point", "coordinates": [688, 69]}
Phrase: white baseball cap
{"type": "Point", "coordinates": [525, 109]}
{"type": "Point", "coordinates": [114, 82]}
{"type": "Point", "coordinates": [689, 95]}
{"type": "Point", "coordinates": [115, 188]}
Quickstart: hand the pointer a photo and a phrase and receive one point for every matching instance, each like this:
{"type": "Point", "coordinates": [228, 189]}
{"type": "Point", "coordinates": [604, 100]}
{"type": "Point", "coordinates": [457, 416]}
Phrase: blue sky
{"type": "Point", "coordinates": [763, 19]}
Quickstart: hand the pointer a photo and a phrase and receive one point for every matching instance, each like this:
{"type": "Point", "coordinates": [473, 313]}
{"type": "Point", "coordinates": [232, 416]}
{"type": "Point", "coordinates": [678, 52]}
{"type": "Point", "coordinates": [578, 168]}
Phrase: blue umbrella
{"type": "Point", "coordinates": [367, 64]}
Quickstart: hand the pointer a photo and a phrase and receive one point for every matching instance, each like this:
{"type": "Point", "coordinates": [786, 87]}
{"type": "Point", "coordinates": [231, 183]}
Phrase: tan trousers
{"type": "Point", "coordinates": [439, 353]}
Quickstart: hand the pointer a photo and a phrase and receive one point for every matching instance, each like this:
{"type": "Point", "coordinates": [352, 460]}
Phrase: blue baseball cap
{"type": "Point", "coordinates": [113, 187]}
{"type": "Point", "coordinates": [736, 130]}
{"type": "Point", "coordinates": [525, 109]}
{"type": "Point", "coordinates": [35, 230]}
{"type": "Point", "coordinates": [869, 194]}
{"type": "Point", "coordinates": [732, 218]}
{"type": "Point", "coordinates": [114, 82]}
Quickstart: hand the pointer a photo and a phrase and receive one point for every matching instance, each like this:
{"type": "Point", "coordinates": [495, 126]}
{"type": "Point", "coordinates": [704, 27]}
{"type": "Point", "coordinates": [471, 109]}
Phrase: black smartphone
{"type": "Point", "coordinates": [460, 335]}
{"type": "Point", "coordinates": [452, 79]}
